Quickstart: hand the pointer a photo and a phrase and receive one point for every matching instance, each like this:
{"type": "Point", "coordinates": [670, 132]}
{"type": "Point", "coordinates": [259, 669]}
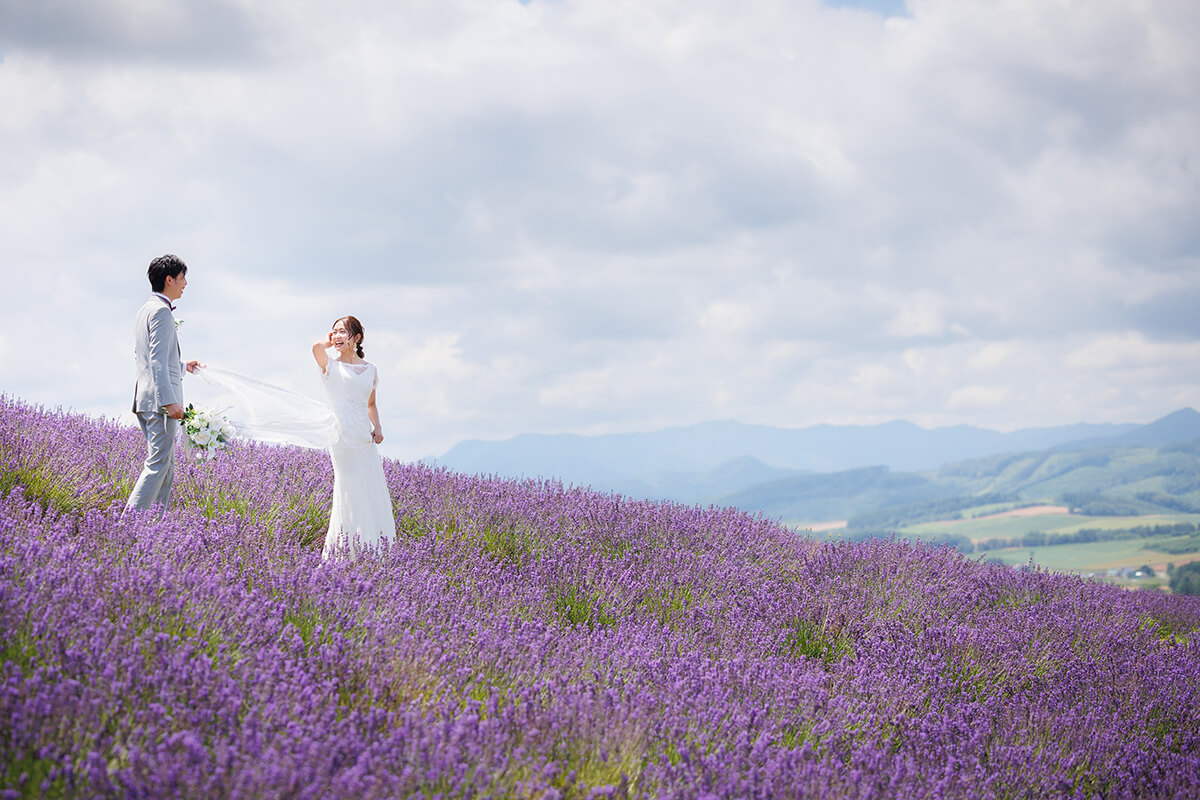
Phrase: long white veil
{"type": "Point", "coordinates": [269, 413]}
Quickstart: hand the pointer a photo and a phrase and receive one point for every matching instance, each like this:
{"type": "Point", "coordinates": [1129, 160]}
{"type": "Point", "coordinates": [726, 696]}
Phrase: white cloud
{"type": "Point", "coordinates": [1132, 351]}
{"type": "Point", "coordinates": [723, 316]}
{"type": "Point", "coordinates": [918, 315]}
{"type": "Point", "coordinates": [994, 354]}
{"type": "Point", "coordinates": [580, 215]}
{"type": "Point", "coordinates": [972, 398]}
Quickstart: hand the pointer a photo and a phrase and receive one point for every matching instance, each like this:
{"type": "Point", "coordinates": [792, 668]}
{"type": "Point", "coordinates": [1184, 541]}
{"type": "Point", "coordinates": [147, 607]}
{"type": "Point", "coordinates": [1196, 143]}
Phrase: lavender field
{"type": "Point", "coordinates": [526, 639]}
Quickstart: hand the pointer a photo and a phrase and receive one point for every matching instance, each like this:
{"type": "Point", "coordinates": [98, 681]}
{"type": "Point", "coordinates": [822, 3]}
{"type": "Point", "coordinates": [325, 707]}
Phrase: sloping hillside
{"type": "Point", "coordinates": [837, 495]}
{"type": "Point", "coordinates": [1098, 481]}
{"type": "Point", "coordinates": [1118, 480]}
{"type": "Point", "coordinates": [827, 472]}
{"type": "Point", "coordinates": [524, 639]}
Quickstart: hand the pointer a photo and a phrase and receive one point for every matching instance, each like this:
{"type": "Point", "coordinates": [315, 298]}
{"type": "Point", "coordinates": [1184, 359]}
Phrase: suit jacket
{"type": "Point", "coordinates": [156, 353]}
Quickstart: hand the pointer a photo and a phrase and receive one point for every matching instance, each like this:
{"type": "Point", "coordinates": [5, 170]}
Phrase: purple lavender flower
{"type": "Point", "coordinates": [526, 638]}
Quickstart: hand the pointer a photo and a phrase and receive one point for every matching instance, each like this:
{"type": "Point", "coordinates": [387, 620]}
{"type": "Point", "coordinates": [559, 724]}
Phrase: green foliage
{"type": "Point", "coordinates": [944, 508]}
{"type": "Point", "coordinates": [309, 623]}
{"type": "Point", "coordinates": [1185, 579]}
{"type": "Point", "coordinates": [1088, 558]}
{"type": "Point", "coordinates": [809, 639]}
{"type": "Point", "coordinates": [1019, 598]}
{"type": "Point", "coordinates": [1172, 631]}
{"type": "Point", "coordinates": [838, 494]}
{"type": "Point", "coordinates": [578, 606]}
{"type": "Point", "coordinates": [1096, 504]}
{"type": "Point", "coordinates": [71, 492]}
{"type": "Point", "coordinates": [1114, 481]}
{"type": "Point", "coordinates": [411, 525]}
{"type": "Point", "coordinates": [1186, 503]}
{"type": "Point", "coordinates": [795, 734]}
{"type": "Point", "coordinates": [668, 604]}
{"type": "Point", "coordinates": [510, 543]}
{"type": "Point", "coordinates": [35, 778]}
{"type": "Point", "coordinates": [1186, 448]}
{"type": "Point", "coordinates": [1100, 481]}
{"type": "Point", "coordinates": [306, 519]}
{"type": "Point", "coordinates": [1173, 536]}
{"type": "Point", "coordinates": [19, 648]}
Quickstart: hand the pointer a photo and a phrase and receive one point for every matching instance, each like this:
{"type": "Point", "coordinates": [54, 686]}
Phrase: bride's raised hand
{"type": "Point", "coordinates": [318, 350]}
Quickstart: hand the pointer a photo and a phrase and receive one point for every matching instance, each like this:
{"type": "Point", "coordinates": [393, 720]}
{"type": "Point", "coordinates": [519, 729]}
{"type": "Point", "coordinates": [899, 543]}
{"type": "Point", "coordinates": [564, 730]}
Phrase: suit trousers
{"type": "Point", "coordinates": [154, 484]}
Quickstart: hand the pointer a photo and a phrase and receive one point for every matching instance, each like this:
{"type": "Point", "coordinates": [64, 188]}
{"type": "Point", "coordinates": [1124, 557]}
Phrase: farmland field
{"type": "Point", "coordinates": [1010, 527]}
{"type": "Point", "coordinates": [1085, 557]}
{"type": "Point", "coordinates": [1093, 556]}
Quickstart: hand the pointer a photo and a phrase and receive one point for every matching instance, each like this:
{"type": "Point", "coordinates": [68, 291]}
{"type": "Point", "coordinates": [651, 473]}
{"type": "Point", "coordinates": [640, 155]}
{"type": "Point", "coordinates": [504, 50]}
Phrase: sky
{"type": "Point", "coordinates": [599, 216]}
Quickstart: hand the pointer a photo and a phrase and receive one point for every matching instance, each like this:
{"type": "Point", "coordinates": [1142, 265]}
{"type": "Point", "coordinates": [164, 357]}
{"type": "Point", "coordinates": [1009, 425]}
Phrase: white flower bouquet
{"type": "Point", "coordinates": [207, 431]}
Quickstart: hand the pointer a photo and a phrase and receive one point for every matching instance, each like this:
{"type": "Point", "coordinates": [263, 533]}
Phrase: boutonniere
{"type": "Point", "coordinates": [178, 322]}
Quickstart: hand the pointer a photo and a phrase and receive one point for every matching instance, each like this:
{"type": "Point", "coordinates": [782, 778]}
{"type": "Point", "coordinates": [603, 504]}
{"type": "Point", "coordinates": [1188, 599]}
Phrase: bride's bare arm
{"type": "Point", "coordinates": [319, 348]}
{"type": "Point", "coordinates": [373, 413]}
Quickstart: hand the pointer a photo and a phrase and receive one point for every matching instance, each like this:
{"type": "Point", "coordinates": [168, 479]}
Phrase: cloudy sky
{"type": "Point", "coordinates": [616, 215]}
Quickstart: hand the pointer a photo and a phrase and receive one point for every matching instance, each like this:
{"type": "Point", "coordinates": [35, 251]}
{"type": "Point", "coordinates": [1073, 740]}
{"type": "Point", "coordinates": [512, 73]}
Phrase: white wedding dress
{"type": "Point", "coordinates": [362, 506]}
{"type": "Point", "coordinates": [361, 513]}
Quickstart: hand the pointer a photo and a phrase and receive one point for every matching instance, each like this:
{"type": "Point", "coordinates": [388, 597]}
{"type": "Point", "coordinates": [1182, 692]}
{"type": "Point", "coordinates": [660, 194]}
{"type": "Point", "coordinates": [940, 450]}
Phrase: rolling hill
{"type": "Point", "coordinates": [1098, 481]}
{"type": "Point", "coordinates": [831, 472]}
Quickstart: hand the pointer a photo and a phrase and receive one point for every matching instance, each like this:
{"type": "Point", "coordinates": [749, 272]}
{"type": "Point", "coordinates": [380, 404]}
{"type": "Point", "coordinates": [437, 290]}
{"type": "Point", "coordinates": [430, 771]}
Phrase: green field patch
{"type": "Point", "coordinates": [988, 509]}
{"type": "Point", "coordinates": [1175, 545]}
{"type": "Point", "coordinates": [978, 530]}
{"type": "Point", "coordinates": [1087, 557]}
{"type": "Point", "coordinates": [998, 527]}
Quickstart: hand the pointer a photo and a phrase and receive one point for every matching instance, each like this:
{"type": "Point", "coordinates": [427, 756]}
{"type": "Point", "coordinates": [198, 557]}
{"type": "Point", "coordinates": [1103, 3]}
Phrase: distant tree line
{"type": "Point", "coordinates": [945, 508]}
{"type": "Point", "coordinates": [1095, 504]}
{"type": "Point", "coordinates": [1089, 535]}
{"type": "Point", "coordinates": [1190, 544]}
{"type": "Point", "coordinates": [1043, 539]}
{"type": "Point", "coordinates": [1172, 502]}
{"type": "Point", "coordinates": [1192, 448]}
{"type": "Point", "coordinates": [1184, 579]}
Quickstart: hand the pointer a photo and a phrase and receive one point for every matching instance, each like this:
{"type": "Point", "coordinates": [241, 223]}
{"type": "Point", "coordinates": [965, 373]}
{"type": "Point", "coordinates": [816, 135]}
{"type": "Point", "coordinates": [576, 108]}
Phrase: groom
{"type": "Point", "coordinates": [158, 393]}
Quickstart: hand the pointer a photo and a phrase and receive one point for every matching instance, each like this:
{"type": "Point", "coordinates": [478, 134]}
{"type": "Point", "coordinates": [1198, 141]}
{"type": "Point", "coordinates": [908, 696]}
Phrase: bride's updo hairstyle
{"type": "Point", "coordinates": [354, 328]}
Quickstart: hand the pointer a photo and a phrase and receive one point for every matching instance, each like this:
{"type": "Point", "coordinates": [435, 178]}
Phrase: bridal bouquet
{"type": "Point", "coordinates": [207, 431]}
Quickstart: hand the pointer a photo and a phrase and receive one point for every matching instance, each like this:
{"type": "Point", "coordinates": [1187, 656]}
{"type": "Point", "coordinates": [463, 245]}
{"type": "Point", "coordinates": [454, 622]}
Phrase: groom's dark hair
{"type": "Point", "coordinates": [163, 267]}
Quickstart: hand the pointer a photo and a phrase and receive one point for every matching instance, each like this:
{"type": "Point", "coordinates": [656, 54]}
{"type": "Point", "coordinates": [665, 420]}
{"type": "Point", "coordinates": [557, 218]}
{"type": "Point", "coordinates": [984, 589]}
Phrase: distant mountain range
{"type": "Point", "coordinates": [834, 472]}
{"type": "Point", "coordinates": [605, 461]}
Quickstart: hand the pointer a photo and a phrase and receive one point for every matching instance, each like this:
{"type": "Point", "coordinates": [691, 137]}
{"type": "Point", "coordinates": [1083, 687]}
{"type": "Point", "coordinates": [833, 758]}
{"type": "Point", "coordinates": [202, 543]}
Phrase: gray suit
{"type": "Point", "coordinates": [159, 384]}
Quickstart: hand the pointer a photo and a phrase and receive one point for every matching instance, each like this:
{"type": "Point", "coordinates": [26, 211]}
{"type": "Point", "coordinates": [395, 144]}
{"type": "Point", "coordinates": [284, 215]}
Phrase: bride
{"type": "Point", "coordinates": [347, 426]}
{"type": "Point", "coordinates": [362, 506]}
